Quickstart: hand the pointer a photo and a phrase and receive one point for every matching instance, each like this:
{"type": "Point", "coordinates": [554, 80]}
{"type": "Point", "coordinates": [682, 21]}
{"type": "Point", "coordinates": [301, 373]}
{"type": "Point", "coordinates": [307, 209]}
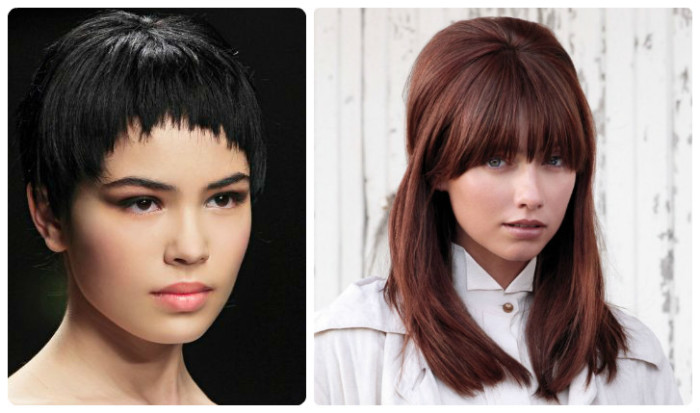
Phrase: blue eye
{"type": "Point", "coordinates": [555, 161]}
{"type": "Point", "coordinates": [495, 162]}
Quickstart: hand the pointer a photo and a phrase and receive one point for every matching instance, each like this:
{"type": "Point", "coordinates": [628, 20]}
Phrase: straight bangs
{"type": "Point", "coordinates": [508, 103]}
{"type": "Point", "coordinates": [121, 70]}
{"type": "Point", "coordinates": [485, 88]}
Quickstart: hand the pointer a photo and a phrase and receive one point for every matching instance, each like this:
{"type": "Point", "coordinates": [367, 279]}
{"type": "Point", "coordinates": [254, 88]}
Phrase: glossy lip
{"type": "Point", "coordinates": [526, 222]}
{"type": "Point", "coordinates": [525, 233]}
{"type": "Point", "coordinates": [183, 296]}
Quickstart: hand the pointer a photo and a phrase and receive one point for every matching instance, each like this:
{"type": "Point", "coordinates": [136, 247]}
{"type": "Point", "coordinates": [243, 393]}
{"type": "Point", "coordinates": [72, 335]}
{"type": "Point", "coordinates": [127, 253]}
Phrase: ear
{"type": "Point", "coordinates": [48, 226]}
{"type": "Point", "coordinates": [441, 186]}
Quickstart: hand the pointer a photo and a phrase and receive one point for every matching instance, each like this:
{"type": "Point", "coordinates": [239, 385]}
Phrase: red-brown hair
{"type": "Point", "coordinates": [477, 89]}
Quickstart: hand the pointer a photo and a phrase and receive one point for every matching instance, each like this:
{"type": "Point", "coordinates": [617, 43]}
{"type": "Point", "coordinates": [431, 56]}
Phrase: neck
{"type": "Point", "coordinates": [109, 363]}
{"type": "Point", "coordinates": [501, 270]}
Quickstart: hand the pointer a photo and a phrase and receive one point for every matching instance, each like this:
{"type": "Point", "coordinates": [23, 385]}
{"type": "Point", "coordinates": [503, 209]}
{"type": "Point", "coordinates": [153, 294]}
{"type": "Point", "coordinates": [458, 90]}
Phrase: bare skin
{"type": "Point", "coordinates": [91, 361]}
{"type": "Point", "coordinates": [488, 199]}
{"type": "Point", "coordinates": [502, 271]}
{"type": "Point", "coordinates": [148, 225]}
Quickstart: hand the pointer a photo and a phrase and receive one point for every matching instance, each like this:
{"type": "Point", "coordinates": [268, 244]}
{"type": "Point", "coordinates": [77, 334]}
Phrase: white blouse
{"type": "Point", "coordinates": [358, 342]}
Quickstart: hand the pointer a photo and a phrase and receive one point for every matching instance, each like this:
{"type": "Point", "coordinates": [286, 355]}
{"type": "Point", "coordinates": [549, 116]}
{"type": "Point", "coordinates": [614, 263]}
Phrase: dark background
{"type": "Point", "coordinates": [255, 352]}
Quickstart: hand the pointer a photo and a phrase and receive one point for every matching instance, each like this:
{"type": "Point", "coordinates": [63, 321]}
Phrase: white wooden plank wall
{"type": "Point", "coordinates": [678, 273]}
{"type": "Point", "coordinates": [635, 68]}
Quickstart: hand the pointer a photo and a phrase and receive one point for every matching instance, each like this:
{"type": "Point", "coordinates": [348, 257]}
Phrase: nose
{"type": "Point", "coordinates": [528, 193]}
{"type": "Point", "coordinates": [188, 243]}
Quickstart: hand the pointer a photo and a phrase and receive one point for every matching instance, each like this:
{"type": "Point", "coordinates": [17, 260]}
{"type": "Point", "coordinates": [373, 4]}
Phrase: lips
{"type": "Point", "coordinates": [525, 223]}
{"type": "Point", "coordinates": [183, 296]}
{"type": "Point", "coordinates": [525, 229]}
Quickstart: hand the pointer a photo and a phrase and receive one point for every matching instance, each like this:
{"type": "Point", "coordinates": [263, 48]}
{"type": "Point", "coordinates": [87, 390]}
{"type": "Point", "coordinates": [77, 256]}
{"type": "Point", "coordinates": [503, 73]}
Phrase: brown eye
{"type": "Point", "coordinates": [143, 204]}
{"type": "Point", "coordinates": [140, 205]}
{"type": "Point", "coordinates": [223, 200]}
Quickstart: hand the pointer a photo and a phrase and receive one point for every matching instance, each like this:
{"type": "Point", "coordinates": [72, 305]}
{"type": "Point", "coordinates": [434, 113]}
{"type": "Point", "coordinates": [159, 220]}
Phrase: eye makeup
{"type": "Point", "coordinates": [135, 194]}
{"type": "Point", "coordinates": [227, 200]}
{"type": "Point", "coordinates": [140, 204]}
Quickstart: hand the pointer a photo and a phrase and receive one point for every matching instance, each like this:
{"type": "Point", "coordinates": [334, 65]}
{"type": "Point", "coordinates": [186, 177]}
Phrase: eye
{"type": "Point", "coordinates": [495, 162]}
{"type": "Point", "coordinates": [225, 200]}
{"type": "Point", "coordinates": [555, 160]}
{"type": "Point", "coordinates": [141, 205]}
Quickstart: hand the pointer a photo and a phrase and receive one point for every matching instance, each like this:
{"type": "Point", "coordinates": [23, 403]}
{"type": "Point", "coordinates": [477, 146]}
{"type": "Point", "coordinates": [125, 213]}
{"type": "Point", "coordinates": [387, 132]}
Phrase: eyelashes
{"type": "Point", "coordinates": [555, 161]}
{"type": "Point", "coordinates": [496, 162]}
{"type": "Point", "coordinates": [227, 200]}
{"type": "Point", "coordinates": [142, 205]}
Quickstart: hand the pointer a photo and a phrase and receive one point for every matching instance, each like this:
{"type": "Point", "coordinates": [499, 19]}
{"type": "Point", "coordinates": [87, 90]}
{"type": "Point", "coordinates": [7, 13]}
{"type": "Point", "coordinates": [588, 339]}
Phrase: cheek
{"type": "Point", "coordinates": [560, 191]}
{"type": "Point", "coordinates": [228, 242]}
{"type": "Point", "coordinates": [476, 199]}
{"type": "Point", "coordinates": [108, 255]}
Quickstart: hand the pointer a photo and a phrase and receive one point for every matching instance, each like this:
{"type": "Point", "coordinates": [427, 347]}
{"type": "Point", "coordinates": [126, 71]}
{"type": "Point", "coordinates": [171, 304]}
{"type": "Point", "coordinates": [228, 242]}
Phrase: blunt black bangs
{"type": "Point", "coordinates": [119, 69]}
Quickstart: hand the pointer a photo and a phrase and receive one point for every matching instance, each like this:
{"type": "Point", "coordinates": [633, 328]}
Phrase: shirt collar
{"type": "Point", "coordinates": [469, 275]}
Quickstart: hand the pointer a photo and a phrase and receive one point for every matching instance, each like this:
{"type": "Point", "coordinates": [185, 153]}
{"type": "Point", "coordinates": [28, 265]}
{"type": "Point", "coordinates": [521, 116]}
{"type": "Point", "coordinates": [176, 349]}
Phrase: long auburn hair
{"type": "Point", "coordinates": [476, 90]}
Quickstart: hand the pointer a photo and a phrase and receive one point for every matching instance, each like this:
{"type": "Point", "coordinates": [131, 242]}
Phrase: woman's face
{"type": "Point", "coordinates": [506, 212]}
{"type": "Point", "coordinates": [156, 246]}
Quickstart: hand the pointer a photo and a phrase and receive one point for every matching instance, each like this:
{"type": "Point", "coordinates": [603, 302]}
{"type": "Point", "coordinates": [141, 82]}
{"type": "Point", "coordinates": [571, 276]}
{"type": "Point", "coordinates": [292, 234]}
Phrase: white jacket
{"type": "Point", "coordinates": [358, 342]}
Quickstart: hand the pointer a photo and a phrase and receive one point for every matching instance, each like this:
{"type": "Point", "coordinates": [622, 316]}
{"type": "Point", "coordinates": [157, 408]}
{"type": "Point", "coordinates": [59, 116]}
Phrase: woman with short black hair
{"type": "Point", "coordinates": [141, 143]}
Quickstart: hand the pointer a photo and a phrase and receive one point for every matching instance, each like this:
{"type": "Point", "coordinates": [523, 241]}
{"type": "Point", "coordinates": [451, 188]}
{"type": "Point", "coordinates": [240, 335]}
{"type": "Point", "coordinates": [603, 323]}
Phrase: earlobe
{"type": "Point", "coordinates": [442, 186]}
{"type": "Point", "coordinates": [45, 222]}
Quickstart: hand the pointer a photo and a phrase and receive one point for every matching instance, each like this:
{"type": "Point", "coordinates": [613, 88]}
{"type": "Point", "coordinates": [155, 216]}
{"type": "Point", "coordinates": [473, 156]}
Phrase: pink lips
{"type": "Point", "coordinates": [183, 296]}
{"type": "Point", "coordinates": [525, 229]}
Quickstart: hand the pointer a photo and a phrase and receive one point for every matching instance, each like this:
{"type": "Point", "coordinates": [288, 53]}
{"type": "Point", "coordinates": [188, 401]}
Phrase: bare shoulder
{"type": "Point", "coordinates": [197, 395]}
{"type": "Point", "coordinates": [42, 381]}
{"type": "Point", "coordinates": [27, 386]}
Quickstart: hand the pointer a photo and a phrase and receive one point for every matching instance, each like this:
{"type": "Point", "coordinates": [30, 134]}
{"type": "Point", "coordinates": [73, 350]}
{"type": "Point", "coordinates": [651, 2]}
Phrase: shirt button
{"type": "Point", "coordinates": [507, 307]}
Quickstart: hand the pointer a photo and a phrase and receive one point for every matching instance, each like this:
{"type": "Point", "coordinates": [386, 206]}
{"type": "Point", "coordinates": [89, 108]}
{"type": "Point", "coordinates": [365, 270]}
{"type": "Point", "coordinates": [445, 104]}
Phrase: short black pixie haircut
{"type": "Point", "coordinates": [119, 69]}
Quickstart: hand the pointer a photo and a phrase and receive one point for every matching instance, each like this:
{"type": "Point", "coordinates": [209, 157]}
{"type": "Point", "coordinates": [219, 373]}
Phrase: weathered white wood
{"type": "Point", "coordinates": [375, 132]}
{"type": "Point", "coordinates": [587, 29]}
{"type": "Point", "coordinates": [680, 307]}
{"type": "Point", "coordinates": [454, 15]}
{"type": "Point", "coordinates": [653, 131]}
{"type": "Point", "coordinates": [327, 195]}
{"type": "Point", "coordinates": [352, 214]}
{"type": "Point", "coordinates": [402, 52]}
{"type": "Point", "coordinates": [519, 13]}
{"type": "Point", "coordinates": [430, 21]}
{"type": "Point", "coordinates": [619, 224]}
{"type": "Point", "coordinates": [547, 17]}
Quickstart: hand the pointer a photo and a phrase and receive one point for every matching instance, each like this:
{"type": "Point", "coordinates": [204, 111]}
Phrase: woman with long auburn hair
{"type": "Point", "coordinates": [495, 293]}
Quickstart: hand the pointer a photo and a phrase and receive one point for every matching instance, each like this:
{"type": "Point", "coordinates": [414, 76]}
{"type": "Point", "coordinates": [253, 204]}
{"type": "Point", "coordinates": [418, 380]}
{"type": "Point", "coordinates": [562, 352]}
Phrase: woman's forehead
{"type": "Point", "coordinates": [174, 153]}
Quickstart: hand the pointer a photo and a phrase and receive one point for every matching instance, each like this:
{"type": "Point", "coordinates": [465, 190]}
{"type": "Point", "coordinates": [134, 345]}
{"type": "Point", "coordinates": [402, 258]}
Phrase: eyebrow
{"type": "Point", "coordinates": [237, 177]}
{"type": "Point", "coordinates": [142, 182]}
{"type": "Point", "coordinates": [160, 186]}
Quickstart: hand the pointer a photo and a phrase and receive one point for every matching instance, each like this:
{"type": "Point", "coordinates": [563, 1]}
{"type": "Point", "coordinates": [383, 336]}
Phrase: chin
{"type": "Point", "coordinates": [175, 331]}
{"type": "Point", "coordinates": [176, 337]}
{"type": "Point", "coordinates": [521, 254]}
